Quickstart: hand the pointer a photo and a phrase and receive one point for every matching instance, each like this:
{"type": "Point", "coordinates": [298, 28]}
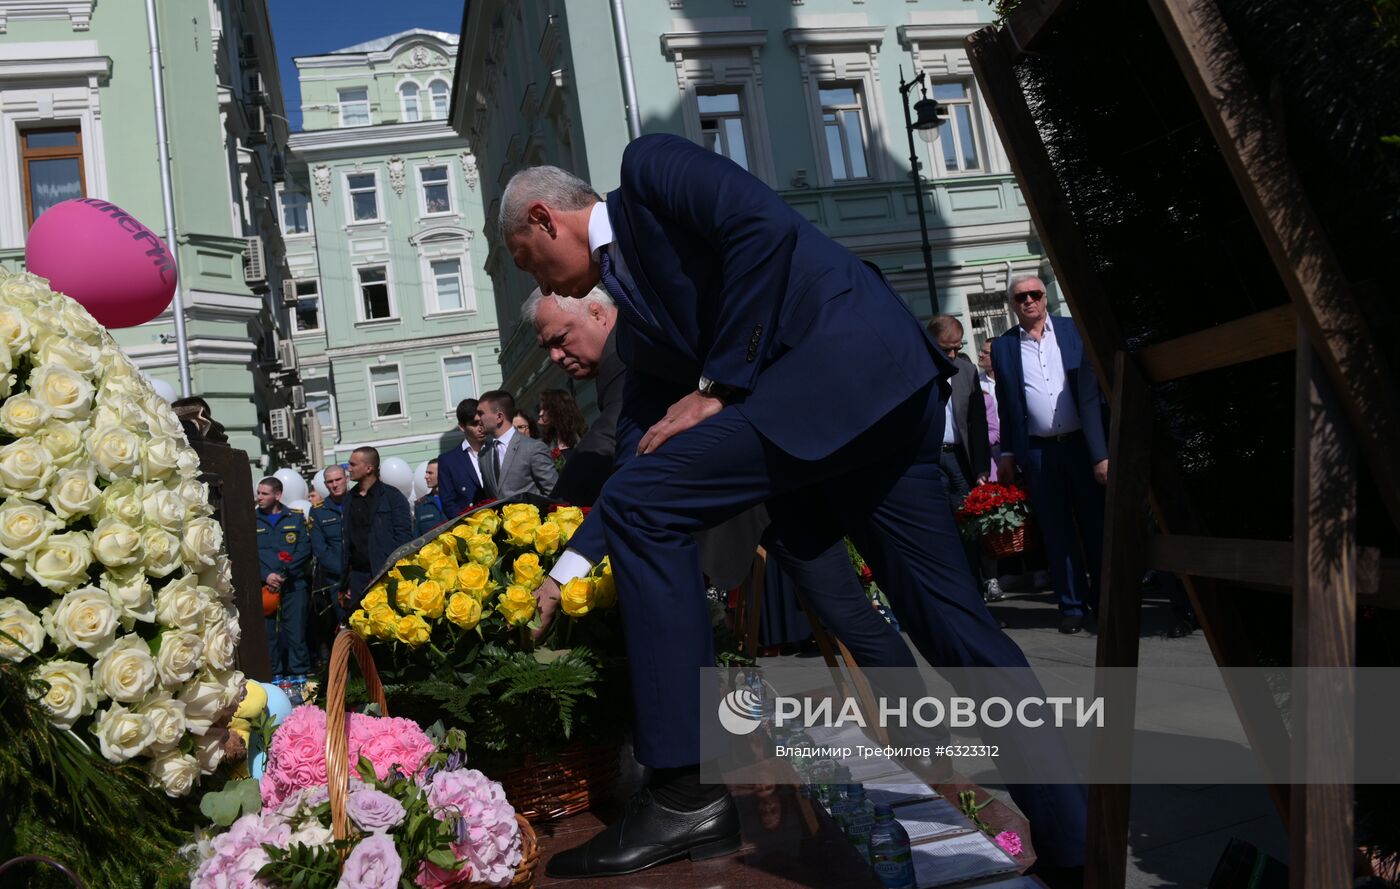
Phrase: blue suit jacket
{"type": "Point", "coordinates": [1080, 380]}
{"type": "Point", "coordinates": [458, 484]}
{"type": "Point", "coordinates": [734, 284]}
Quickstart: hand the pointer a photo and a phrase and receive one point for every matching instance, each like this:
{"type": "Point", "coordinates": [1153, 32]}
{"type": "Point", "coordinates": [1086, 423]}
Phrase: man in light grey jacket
{"type": "Point", "coordinates": [511, 464]}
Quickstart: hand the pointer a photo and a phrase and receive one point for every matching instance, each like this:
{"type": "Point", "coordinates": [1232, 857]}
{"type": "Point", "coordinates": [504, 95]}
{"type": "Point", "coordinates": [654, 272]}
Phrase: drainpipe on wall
{"type": "Point", "coordinates": [629, 82]}
{"type": "Point", "coordinates": [167, 194]}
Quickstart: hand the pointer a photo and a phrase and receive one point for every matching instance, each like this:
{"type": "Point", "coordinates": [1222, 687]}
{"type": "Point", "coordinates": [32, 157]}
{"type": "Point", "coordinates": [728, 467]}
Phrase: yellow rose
{"type": "Point", "coordinates": [520, 531]}
{"type": "Point", "coordinates": [359, 622]}
{"type": "Point", "coordinates": [577, 597]}
{"type": "Point", "coordinates": [462, 531]}
{"type": "Point", "coordinates": [428, 599]}
{"type": "Point", "coordinates": [444, 571]}
{"type": "Point", "coordinates": [482, 550]}
{"type": "Point", "coordinates": [517, 510]}
{"type": "Point", "coordinates": [568, 518]}
{"type": "Point", "coordinates": [403, 595]}
{"type": "Point", "coordinates": [377, 595]}
{"type": "Point", "coordinates": [474, 579]}
{"type": "Point", "coordinates": [464, 611]}
{"type": "Point", "coordinates": [447, 541]}
{"type": "Point", "coordinates": [413, 630]}
{"type": "Point", "coordinates": [517, 605]}
{"type": "Point", "coordinates": [429, 554]}
{"type": "Point", "coordinates": [605, 591]}
{"type": "Point", "coordinates": [529, 573]}
{"type": "Point", "coordinates": [382, 622]}
{"type": "Point", "coordinates": [547, 539]}
{"type": "Point", "coordinates": [485, 521]}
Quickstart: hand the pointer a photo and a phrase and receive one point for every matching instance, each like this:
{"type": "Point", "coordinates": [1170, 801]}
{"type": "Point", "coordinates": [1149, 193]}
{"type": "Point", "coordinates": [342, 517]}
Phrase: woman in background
{"type": "Point", "coordinates": [561, 422]}
{"type": "Point", "coordinates": [525, 425]}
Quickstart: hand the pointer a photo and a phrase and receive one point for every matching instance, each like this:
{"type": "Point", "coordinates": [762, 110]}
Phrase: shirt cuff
{"type": "Point", "coordinates": [570, 566]}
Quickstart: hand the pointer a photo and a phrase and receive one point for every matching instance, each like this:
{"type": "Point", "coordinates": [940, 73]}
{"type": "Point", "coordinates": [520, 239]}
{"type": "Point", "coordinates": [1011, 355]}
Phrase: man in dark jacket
{"type": "Point", "coordinates": [459, 474]}
{"type": "Point", "coordinates": [328, 534]}
{"type": "Point", "coordinates": [379, 523]}
{"type": "Point", "coordinates": [284, 549]}
{"type": "Point", "coordinates": [427, 510]}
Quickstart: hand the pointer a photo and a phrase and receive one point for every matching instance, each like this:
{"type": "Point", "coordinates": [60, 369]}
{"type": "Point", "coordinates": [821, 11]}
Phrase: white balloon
{"type": "Point", "coordinates": [293, 485]}
{"type": "Point", "coordinates": [164, 389]}
{"type": "Point", "coordinates": [302, 506]}
{"type": "Point", "coordinates": [318, 482]}
{"type": "Point", "coordinates": [397, 473]}
{"type": "Point", "coordinates": [420, 480]}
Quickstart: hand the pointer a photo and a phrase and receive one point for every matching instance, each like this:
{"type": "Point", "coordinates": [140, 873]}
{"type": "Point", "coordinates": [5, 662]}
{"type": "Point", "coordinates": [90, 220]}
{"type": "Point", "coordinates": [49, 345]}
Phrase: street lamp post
{"type": "Point", "coordinates": [926, 121]}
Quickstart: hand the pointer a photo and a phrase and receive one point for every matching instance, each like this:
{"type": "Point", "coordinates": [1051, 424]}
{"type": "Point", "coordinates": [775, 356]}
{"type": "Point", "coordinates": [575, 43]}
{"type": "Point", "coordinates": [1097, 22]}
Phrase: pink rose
{"type": "Point", "coordinates": [374, 864]}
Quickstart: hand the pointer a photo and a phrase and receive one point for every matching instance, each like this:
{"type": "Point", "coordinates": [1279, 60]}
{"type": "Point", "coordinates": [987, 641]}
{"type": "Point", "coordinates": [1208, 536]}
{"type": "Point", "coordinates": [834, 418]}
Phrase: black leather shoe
{"type": "Point", "coordinates": [1071, 624]}
{"type": "Point", "coordinates": [649, 834]}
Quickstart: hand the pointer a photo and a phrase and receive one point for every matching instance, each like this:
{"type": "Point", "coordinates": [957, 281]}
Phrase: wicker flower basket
{"type": "Point", "coordinates": [338, 751]}
{"type": "Point", "coordinates": [1005, 544]}
{"type": "Point", "coordinates": [549, 788]}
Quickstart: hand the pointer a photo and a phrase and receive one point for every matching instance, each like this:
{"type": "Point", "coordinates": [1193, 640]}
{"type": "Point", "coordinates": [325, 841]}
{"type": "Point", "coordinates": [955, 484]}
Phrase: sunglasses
{"type": "Point", "coordinates": [1029, 295]}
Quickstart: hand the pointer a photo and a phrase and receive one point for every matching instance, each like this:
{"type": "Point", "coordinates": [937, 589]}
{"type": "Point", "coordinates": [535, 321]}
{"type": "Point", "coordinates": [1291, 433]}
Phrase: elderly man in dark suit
{"type": "Point", "coordinates": [765, 363]}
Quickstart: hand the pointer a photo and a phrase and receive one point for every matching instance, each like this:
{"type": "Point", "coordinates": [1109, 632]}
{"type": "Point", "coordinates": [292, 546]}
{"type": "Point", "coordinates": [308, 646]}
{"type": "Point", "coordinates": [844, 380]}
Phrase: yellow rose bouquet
{"type": "Point", "coordinates": [454, 620]}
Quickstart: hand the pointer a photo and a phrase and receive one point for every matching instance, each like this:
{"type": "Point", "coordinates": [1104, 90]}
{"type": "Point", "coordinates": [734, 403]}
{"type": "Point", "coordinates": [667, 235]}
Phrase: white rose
{"type": "Point", "coordinates": [122, 378]}
{"type": "Point", "coordinates": [122, 733]}
{"type": "Point", "coordinates": [195, 494]}
{"type": "Point", "coordinates": [21, 632]}
{"type": "Point", "coordinates": [175, 773]}
{"type": "Point", "coordinates": [126, 670]}
{"type": "Point", "coordinates": [180, 604]}
{"type": "Point", "coordinates": [167, 717]}
{"type": "Point", "coordinates": [115, 543]}
{"type": "Point", "coordinates": [116, 409]}
{"type": "Point", "coordinates": [311, 834]}
{"type": "Point", "coordinates": [180, 655]}
{"type": "Point", "coordinates": [70, 352]}
{"type": "Point", "coordinates": [162, 551]}
{"type": "Point", "coordinates": [205, 698]}
{"type": "Point", "coordinates": [159, 456]}
{"type": "Point", "coordinates": [25, 469]}
{"type": "Point", "coordinates": [116, 451]}
{"type": "Point", "coordinates": [161, 418]}
{"type": "Point", "coordinates": [15, 337]}
{"type": "Point", "coordinates": [220, 644]}
{"type": "Point", "coordinates": [72, 493]}
{"type": "Point", "coordinates": [218, 577]}
{"type": "Point", "coordinates": [25, 293]}
{"type": "Point", "coordinates": [64, 441]}
{"type": "Point", "coordinates": [67, 394]}
{"type": "Point", "coordinates": [122, 501]}
{"type": "Point", "coordinates": [201, 541]}
{"type": "Point", "coordinates": [187, 463]}
{"type": "Point", "coordinates": [82, 619]}
{"type": "Point", "coordinates": [61, 561]}
{"type": "Point", "coordinates": [24, 526]}
{"type": "Point", "coordinates": [209, 750]}
{"type": "Point", "coordinates": [131, 594]}
{"type": "Point", "coordinates": [162, 506]}
{"type": "Point", "coordinates": [70, 695]}
{"type": "Point", "coordinates": [23, 415]}
{"type": "Point", "coordinates": [78, 323]}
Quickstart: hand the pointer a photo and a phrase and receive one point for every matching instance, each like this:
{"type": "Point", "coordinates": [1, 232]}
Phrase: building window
{"type": "Point", "coordinates": [364, 196]}
{"type": "Point", "coordinates": [438, 90]}
{"type": "Point", "coordinates": [447, 284]}
{"type": "Point", "coordinates": [52, 162]}
{"type": "Point", "coordinates": [437, 195]}
{"type": "Point", "coordinates": [722, 125]}
{"type": "Point", "coordinates": [988, 316]}
{"type": "Point", "coordinates": [307, 310]}
{"type": "Point", "coordinates": [459, 376]}
{"type": "Point", "coordinates": [323, 403]}
{"type": "Point", "coordinates": [843, 130]}
{"type": "Point", "coordinates": [296, 212]}
{"type": "Point", "coordinates": [386, 391]}
{"type": "Point", "coordinates": [375, 301]}
{"type": "Point", "coordinates": [354, 107]}
{"type": "Point", "coordinates": [959, 144]}
{"type": "Point", "coordinates": [408, 99]}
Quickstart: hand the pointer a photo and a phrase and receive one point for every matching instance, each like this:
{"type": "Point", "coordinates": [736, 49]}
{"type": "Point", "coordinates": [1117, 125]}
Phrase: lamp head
{"type": "Point", "coordinates": [926, 119]}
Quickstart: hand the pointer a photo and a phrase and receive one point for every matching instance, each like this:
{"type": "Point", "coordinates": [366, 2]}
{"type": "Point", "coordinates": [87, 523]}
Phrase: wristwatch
{"type": "Point", "coordinates": [711, 389]}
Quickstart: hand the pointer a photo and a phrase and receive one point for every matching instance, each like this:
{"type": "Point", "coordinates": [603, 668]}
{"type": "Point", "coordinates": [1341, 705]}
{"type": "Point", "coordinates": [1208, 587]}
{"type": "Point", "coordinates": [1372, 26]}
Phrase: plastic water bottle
{"type": "Point", "coordinates": [889, 850]}
{"type": "Point", "coordinates": [859, 821]}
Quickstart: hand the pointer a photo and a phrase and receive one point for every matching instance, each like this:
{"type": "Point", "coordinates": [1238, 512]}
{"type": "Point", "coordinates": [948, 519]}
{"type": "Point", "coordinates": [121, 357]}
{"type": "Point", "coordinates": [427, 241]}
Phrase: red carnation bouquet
{"type": "Point", "coordinates": [998, 515]}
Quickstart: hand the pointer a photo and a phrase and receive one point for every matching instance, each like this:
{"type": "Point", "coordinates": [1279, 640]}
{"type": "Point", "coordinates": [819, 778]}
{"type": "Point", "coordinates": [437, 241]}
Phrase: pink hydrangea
{"type": "Point", "coordinates": [1009, 841]}
{"type": "Point", "coordinates": [239, 854]}
{"type": "Point", "coordinates": [388, 742]}
{"type": "Point", "coordinates": [489, 838]}
{"type": "Point", "coordinates": [296, 758]}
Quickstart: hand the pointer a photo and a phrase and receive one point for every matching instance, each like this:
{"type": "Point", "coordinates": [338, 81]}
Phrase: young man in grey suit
{"type": "Point", "coordinates": [511, 464]}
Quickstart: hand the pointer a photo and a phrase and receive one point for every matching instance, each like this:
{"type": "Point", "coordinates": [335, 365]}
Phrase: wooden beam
{"type": "Point", "coordinates": [1031, 20]}
{"type": "Point", "coordinates": [1270, 332]}
{"type": "Point", "coordinates": [1266, 562]}
{"type": "Point", "coordinates": [1258, 157]}
{"type": "Point", "coordinates": [1120, 615]}
{"type": "Point", "coordinates": [1324, 631]}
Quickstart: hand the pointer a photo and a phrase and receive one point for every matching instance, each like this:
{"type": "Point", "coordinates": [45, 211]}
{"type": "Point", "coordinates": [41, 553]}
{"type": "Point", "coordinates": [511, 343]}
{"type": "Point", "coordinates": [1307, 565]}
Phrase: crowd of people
{"type": "Point", "coordinates": [315, 566]}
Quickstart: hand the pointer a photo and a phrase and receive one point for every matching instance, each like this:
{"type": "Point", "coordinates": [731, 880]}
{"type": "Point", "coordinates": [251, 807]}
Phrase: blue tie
{"type": "Point", "coordinates": [619, 293]}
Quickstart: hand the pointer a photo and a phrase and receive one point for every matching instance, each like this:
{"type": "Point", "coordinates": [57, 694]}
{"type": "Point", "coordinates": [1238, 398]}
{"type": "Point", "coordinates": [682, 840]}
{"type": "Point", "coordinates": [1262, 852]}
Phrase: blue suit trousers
{"type": "Point", "coordinates": [1068, 506]}
{"type": "Point", "coordinates": [286, 633]}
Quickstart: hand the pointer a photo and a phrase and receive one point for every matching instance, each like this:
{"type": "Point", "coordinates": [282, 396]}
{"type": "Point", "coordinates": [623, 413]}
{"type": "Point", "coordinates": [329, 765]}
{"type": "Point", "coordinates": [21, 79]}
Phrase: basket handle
{"type": "Point", "coordinates": [338, 766]}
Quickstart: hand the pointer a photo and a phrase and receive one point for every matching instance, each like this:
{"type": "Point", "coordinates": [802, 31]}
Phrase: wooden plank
{"type": "Point", "coordinates": [1258, 157]}
{"type": "Point", "coordinates": [1120, 615]}
{"type": "Point", "coordinates": [1266, 562]}
{"type": "Point", "coordinates": [1324, 631]}
{"type": "Point", "coordinates": [1256, 336]}
{"type": "Point", "coordinates": [1031, 20]}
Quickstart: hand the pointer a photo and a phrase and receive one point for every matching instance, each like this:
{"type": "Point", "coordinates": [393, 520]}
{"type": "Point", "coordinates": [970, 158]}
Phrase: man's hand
{"type": "Point", "coordinates": [1006, 469]}
{"type": "Point", "coordinates": [1101, 472]}
{"type": "Point", "coordinates": [689, 411]}
{"type": "Point", "coordinates": [983, 478]}
{"type": "Point", "coordinates": [547, 599]}
{"type": "Point", "coordinates": [274, 580]}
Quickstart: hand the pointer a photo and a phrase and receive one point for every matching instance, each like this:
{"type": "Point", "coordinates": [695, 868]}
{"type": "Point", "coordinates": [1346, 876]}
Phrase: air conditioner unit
{"type": "Point", "coordinates": [254, 261]}
{"type": "Point", "coordinates": [299, 398]}
{"type": "Point", "coordinates": [289, 291]}
{"type": "Point", "coordinates": [313, 443]}
{"type": "Point", "coordinates": [287, 355]}
{"type": "Point", "coordinates": [279, 424]}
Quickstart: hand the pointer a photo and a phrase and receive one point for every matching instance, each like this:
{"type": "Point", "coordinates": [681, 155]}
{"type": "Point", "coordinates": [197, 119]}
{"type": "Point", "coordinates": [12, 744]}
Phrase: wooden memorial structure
{"type": "Point", "coordinates": [1219, 228]}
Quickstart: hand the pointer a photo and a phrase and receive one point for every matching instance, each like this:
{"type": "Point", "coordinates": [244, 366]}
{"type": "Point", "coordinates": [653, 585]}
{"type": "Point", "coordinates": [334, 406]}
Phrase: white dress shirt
{"type": "Point", "coordinates": [950, 426]}
{"type": "Point", "coordinates": [500, 444]}
{"type": "Point", "coordinates": [474, 455]}
{"type": "Point", "coordinates": [1050, 408]}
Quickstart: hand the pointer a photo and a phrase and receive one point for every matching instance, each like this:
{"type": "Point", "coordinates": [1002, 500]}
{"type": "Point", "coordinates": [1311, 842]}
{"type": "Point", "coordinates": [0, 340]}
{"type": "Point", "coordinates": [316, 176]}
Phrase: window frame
{"type": "Point", "coordinates": [320, 308]}
{"type": "Point", "coordinates": [360, 319]}
{"type": "Point", "coordinates": [373, 398]}
{"type": "Point", "coordinates": [847, 54]}
{"type": "Point", "coordinates": [417, 101]}
{"type": "Point", "coordinates": [450, 407]}
{"type": "Point", "coordinates": [446, 98]}
{"type": "Point", "coordinates": [431, 285]}
{"type": "Point", "coordinates": [341, 104]}
{"type": "Point", "coordinates": [446, 167]}
{"type": "Point", "coordinates": [331, 409]}
{"type": "Point", "coordinates": [936, 159]}
{"type": "Point", "coordinates": [741, 115]}
{"type": "Point", "coordinates": [862, 111]}
{"type": "Point", "coordinates": [350, 219]}
{"type": "Point", "coordinates": [27, 154]}
{"type": "Point", "coordinates": [282, 192]}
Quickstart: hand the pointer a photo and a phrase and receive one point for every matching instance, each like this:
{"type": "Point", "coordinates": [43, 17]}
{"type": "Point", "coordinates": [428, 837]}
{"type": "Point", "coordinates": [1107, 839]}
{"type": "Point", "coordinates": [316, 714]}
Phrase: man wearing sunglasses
{"type": "Point", "coordinates": [1053, 430]}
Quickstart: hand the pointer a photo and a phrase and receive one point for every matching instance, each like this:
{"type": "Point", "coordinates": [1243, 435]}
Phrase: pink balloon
{"type": "Point", "coordinates": [98, 254]}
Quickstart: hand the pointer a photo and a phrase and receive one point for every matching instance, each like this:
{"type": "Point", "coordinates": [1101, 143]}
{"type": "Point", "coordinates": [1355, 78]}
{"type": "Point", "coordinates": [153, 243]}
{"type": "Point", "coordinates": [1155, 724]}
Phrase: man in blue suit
{"type": "Point", "coordinates": [766, 363]}
{"type": "Point", "coordinates": [1053, 428]}
{"type": "Point", "coordinates": [459, 477]}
